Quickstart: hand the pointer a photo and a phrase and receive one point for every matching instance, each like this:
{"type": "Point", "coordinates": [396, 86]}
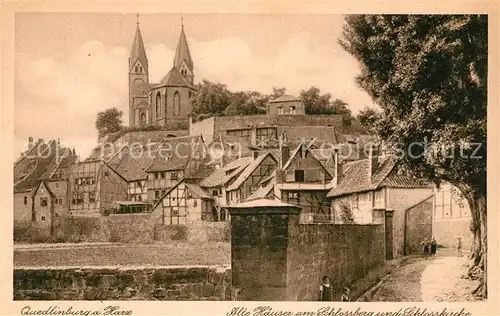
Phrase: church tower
{"type": "Point", "coordinates": [183, 61]}
{"type": "Point", "coordinates": [138, 81]}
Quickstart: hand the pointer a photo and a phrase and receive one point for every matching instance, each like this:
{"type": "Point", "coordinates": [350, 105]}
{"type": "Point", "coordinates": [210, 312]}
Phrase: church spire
{"type": "Point", "coordinates": [182, 53]}
{"type": "Point", "coordinates": [138, 51]}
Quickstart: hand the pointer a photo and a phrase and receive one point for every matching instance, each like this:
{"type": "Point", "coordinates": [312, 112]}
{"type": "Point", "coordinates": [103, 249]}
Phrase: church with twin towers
{"type": "Point", "coordinates": [165, 103]}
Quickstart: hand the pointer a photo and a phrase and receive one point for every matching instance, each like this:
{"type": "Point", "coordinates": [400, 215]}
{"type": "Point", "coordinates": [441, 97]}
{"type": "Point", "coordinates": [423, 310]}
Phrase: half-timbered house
{"type": "Point", "coordinates": [175, 159]}
{"type": "Point", "coordinates": [305, 181]}
{"type": "Point", "coordinates": [249, 180]}
{"type": "Point", "coordinates": [95, 187]}
{"type": "Point", "coordinates": [184, 203]}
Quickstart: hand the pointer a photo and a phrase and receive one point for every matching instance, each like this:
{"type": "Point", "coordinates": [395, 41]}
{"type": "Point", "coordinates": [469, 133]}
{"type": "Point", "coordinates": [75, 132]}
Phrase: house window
{"type": "Point", "coordinates": [162, 174]}
{"type": "Point", "coordinates": [163, 192]}
{"type": "Point", "coordinates": [91, 197]}
{"type": "Point", "coordinates": [354, 201]}
{"type": "Point", "coordinates": [280, 110]}
{"type": "Point", "coordinates": [240, 133]}
{"type": "Point", "coordinates": [264, 134]}
{"type": "Point", "coordinates": [299, 175]}
{"type": "Point", "coordinates": [157, 175]}
{"type": "Point", "coordinates": [139, 198]}
{"type": "Point", "coordinates": [292, 197]}
{"type": "Point", "coordinates": [292, 110]}
{"type": "Point", "coordinates": [174, 175]}
{"type": "Point", "coordinates": [43, 201]}
{"type": "Point", "coordinates": [42, 218]}
{"type": "Point", "coordinates": [143, 118]}
{"type": "Point", "coordinates": [57, 185]}
{"type": "Point", "coordinates": [25, 200]}
{"type": "Point", "coordinates": [60, 201]}
{"type": "Point", "coordinates": [157, 195]}
{"type": "Point", "coordinates": [216, 193]}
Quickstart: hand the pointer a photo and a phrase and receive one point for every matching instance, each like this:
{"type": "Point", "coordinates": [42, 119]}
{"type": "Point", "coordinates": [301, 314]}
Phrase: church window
{"type": "Point", "coordinates": [177, 104]}
{"type": "Point", "coordinates": [136, 69]}
{"type": "Point", "coordinates": [140, 69]}
{"type": "Point", "coordinates": [143, 118]}
{"type": "Point", "coordinates": [158, 104]}
{"type": "Point", "coordinates": [25, 200]}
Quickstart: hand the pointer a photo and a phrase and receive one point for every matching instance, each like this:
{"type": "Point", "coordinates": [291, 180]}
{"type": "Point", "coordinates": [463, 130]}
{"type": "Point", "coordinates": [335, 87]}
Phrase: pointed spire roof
{"type": "Point", "coordinates": [182, 53]}
{"type": "Point", "coordinates": [138, 51]}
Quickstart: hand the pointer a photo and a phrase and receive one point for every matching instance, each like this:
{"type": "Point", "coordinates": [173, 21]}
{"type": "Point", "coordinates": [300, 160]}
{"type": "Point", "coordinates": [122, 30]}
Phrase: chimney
{"type": "Point", "coordinates": [279, 175]}
{"type": "Point", "coordinates": [338, 166]}
{"type": "Point", "coordinates": [40, 141]}
{"type": "Point", "coordinates": [372, 160]}
{"type": "Point", "coordinates": [285, 155]}
{"type": "Point", "coordinates": [253, 135]}
{"type": "Point", "coordinates": [255, 154]}
{"type": "Point", "coordinates": [30, 142]}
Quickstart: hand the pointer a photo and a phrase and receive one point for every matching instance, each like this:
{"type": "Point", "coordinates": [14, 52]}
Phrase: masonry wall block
{"type": "Point", "coordinates": [103, 283]}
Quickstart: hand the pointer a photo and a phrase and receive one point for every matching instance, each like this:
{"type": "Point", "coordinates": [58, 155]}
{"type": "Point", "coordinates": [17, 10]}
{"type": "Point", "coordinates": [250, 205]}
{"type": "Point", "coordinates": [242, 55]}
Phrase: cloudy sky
{"type": "Point", "coordinates": [71, 66]}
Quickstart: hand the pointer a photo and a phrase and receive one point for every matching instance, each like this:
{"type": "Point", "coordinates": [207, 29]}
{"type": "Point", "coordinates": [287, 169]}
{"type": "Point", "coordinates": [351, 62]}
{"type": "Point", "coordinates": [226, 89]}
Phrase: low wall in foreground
{"type": "Point", "coordinates": [128, 283]}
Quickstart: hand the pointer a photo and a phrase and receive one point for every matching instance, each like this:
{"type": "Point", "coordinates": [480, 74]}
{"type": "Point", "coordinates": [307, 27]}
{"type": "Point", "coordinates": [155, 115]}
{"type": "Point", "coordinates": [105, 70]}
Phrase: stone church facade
{"type": "Point", "coordinates": [166, 102]}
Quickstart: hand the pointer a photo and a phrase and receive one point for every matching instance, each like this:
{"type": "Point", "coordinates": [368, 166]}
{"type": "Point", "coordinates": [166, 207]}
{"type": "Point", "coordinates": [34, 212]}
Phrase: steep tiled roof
{"type": "Point", "coordinates": [395, 180]}
{"type": "Point", "coordinates": [173, 79]}
{"type": "Point", "coordinates": [219, 177]}
{"type": "Point", "coordinates": [198, 191]}
{"type": "Point", "coordinates": [248, 171]}
{"type": "Point", "coordinates": [132, 163]}
{"type": "Point", "coordinates": [66, 158]}
{"type": "Point", "coordinates": [175, 153]}
{"type": "Point", "coordinates": [262, 203]}
{"type": "Point", "coordinates": [261, 192]}
{"type": "Point", "coordinates": [28, 178]}
{"type": "Point", "coordinates": [286, 98]}
{"type": "Point", "coordinates": [355, 177]}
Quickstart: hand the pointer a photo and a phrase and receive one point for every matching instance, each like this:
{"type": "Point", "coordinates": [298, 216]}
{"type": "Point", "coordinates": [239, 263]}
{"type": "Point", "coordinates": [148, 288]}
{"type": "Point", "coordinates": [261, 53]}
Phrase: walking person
{"type": "Point", "coordinates": [433, 246]}
{"type": "Point", "coordinates": [346, 295]}
{"type": "Point", "coordinates": [425, 248]}
{"type": "Point", "coordinates": [459, 247]}
{"type": "Point", "coordinates": [325, 290]}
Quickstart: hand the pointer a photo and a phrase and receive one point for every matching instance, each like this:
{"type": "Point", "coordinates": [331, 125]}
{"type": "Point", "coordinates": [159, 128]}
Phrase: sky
{"type": "Point", "coordinates": [70, 66]}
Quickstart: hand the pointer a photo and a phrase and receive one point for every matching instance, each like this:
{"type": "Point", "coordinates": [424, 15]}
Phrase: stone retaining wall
{"type": "Point", "coordinates": [127, 283]}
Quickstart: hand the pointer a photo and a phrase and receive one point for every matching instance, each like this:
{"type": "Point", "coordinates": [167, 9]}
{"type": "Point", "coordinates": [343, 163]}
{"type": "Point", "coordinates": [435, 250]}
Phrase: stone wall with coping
{"type": "Point", "coordinates": [275, 258]}
{"type": "Point", "coordinates": [128, 283]}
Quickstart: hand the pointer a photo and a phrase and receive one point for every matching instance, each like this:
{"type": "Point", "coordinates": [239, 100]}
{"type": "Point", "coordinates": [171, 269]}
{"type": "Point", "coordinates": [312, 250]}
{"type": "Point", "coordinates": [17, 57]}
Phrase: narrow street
{"type": "Point", "coordinates": [436, 279]}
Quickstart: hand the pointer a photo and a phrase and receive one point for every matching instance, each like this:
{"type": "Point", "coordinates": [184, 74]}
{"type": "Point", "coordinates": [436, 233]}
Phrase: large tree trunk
{"type": "Point", "coordinates": [477, 203]}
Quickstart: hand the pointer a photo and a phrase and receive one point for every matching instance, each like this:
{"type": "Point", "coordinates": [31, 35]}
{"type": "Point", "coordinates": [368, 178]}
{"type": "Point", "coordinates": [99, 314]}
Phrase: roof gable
{"type": "Point", "coordinates": [173, 79]}
{"type": "Point", "coordinates": [355, 176]}
{"type": "Point", "coordinates": [249, 170]}
{"type": "Point", "coordinates": [175, 153]}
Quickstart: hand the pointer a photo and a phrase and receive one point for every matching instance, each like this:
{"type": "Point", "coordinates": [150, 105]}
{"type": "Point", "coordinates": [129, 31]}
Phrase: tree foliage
{"type": "Point", "coordinates": [215, 99]}
{"type": "Point", "coordinates": [317, 103]}
{"type": "Point", "coordinates": [428, 74]}
{"type": "Point", "coordinates": [109, 121]}
{"type": "Point", "coordinates": [368, 118]}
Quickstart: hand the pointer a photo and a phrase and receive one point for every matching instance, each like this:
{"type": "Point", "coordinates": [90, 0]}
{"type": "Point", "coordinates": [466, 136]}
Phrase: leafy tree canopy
{"type": "Point", "coordinates": [368, 118]}
{"type": "Point", "coordinates": [428, 73]}
{"type": "Point", "coordinates": [215, 99]}
{"type": "Point", "coordinates": [109, 121]}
